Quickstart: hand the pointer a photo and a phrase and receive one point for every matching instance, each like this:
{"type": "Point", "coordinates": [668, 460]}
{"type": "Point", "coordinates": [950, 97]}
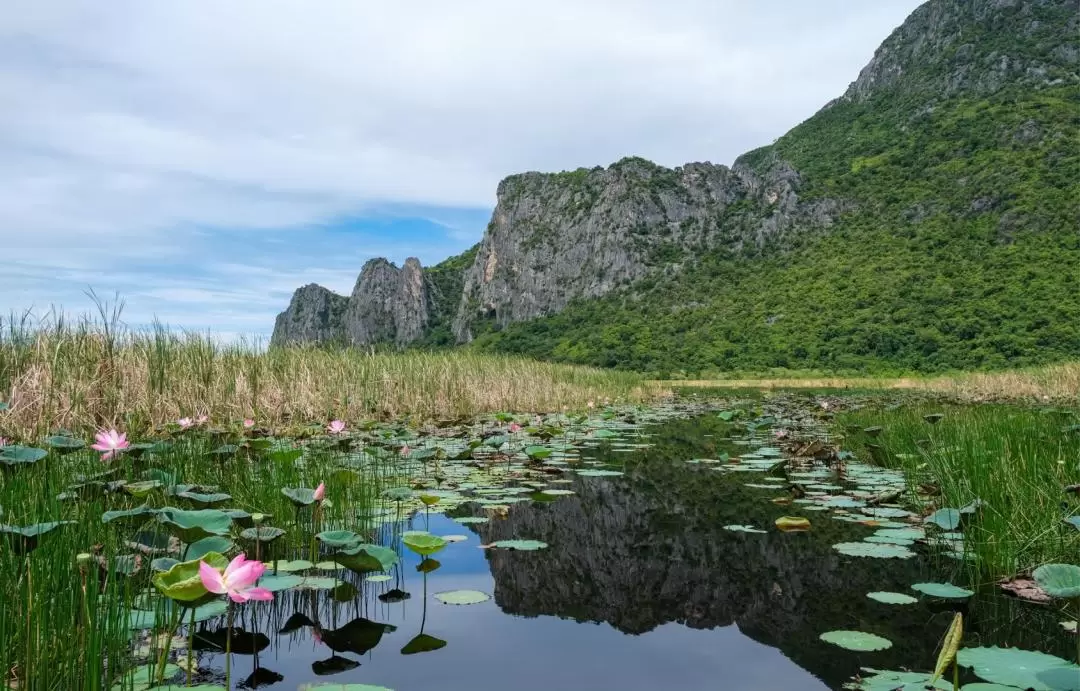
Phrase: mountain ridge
{"type": "Point", "coordinates": [939, 193]}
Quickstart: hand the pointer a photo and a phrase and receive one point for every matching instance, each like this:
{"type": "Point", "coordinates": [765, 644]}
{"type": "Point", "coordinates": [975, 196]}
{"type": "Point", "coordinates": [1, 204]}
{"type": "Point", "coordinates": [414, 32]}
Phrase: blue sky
{"type": "Point", "coordinates": [205, 159]}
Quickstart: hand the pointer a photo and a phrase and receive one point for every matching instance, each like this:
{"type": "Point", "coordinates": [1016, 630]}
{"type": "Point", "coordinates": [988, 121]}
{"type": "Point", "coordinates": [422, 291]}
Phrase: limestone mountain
{"type": "Point", "coordinates": [927, 219]}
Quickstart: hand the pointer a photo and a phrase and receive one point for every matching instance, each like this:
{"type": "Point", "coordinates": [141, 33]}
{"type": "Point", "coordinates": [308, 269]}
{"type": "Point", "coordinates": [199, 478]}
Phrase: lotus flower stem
{"type": "Point", "coordinates": [228, 647]}
{"type": "Point", "coordinates": [163, 659]}
{"type": "Point", "coordinates": [190, 642]}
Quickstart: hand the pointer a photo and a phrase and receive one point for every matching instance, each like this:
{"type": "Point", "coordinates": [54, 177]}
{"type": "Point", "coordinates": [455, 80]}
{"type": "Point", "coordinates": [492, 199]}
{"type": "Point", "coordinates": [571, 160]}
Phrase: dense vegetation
{"type": "Point", "coordinates": [962, 253]}
{"type": "Point", "coordinates": [960, 171]}
{"type": "Point", "coordinates": [445, 282]}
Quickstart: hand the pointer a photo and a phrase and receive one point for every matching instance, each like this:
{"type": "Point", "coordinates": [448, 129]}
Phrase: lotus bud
{"type": "Point", "coordinates": [258, 518]}
{"type": "Point", "coordinates": [83, 558]}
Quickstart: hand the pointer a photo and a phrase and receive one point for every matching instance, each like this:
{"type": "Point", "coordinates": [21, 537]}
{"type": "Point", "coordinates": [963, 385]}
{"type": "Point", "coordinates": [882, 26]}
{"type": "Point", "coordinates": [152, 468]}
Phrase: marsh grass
{"type": "Point", "coordinates": [1053, 383]}
{"type": "Point", "coordinates": [1017, 460]}
{"type": "Point", "coordinates": [65, 625]}
{"type": "Point", "coordinates": [93, 372]}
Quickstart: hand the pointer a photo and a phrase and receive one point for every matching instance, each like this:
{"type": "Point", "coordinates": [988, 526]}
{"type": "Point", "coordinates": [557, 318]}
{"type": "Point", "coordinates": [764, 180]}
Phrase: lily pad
{"type": "Point", "coordinates": [946, 519]}
{"type": "Point", "coordinates": [287, 566]}
{"type": "Point", "coordinates": [138, 513]}
{"type": "Point", "coordinates": [1021, 668]}
{"type": "Point", "coordinates": [943, 590]}
{"type": "Point", "coordinates": [869, 549]}
{"type": "Point", "coordinates": [1059, 580]}
{"type": "Point", "coordinates": [892, 598]}
{"type": "Point", "coordinates": [897, 681]}
{"type": "Point", "coordinates": [462, 597]}
{"type": "Point", "coordinates": [523, 545]}
{"type": "Point", "coordinates": [64, 444]}
{"type": "Point", "coordinates": [856, 640]}
{"type": "Point", "coordinates": [281, 581]}
{"type": "Point", "coordinates": [743, 529]}
{"type": "Point", "coordinates": [21, 455]}
{"type": "Point", "coordinates": [365, 557]}
{"type": "Point", "coordinates": [598, 472]}
{"type": "Point", "coordinates": [214, 543]}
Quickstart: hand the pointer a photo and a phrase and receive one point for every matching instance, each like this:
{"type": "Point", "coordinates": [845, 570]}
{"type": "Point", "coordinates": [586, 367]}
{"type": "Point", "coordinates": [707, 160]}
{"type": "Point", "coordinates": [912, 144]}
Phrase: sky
{"type": "Point", "coordinates": [204, 159]}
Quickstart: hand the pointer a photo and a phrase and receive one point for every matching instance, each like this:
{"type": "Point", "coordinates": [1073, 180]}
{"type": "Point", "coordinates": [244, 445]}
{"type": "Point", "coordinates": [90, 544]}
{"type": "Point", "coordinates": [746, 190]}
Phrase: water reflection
{"type": "Point", "coordinates": [641, 588]}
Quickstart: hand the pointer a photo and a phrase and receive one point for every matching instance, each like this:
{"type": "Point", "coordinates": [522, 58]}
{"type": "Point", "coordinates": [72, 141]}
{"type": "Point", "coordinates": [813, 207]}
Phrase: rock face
{"type": "Point", "coordinates": [314, 316]}
{"type": "Point", "coordinates": [557, 237]}
{"type": "Point", "coordinates": [387, 305]}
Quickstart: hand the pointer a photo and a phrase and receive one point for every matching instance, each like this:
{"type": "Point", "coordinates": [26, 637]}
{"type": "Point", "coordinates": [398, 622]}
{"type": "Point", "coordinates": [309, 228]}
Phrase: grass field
{"type": "Point", "coordinates": [90, 374]}
{"type": "Point", "coordinates": [1058, 383]}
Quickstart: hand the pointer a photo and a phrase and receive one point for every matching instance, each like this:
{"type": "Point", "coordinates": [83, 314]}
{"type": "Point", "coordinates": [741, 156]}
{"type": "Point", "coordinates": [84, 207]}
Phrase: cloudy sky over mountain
{"type": "Point", "coordinates": [204, 159]}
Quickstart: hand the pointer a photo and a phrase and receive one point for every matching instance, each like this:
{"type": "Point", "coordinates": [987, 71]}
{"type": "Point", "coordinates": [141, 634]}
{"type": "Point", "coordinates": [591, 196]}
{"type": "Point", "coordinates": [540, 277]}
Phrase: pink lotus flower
{"type": "Point", "coordinates": [185, 422]}
{"type": "Point", "coordinates": [4, 442]}
{"type": "Point", "coordinates": [780, 433]}
{"type": "Point", "coordinates": [111, 442]}
{"type": "Point", "coordinates": [335, 427]}
{"type": "Point", "coordinates": [320, 492]}
{"type": "Point", "coordinates": [405, 451]}
{"type": "Point", "coordinates": [249, 423]}
{"type": "Point", "coordinates": [514, 427]}
{"type": "Point", "coordinates": [238, 581]}
{"type": "Point", "coordinates": [201, 420]}
{"type": "Point", "coordinates": [825, 405]}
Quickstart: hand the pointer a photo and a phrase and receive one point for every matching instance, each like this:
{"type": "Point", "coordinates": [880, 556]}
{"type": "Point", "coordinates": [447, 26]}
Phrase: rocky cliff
{"type": "Point", "coordinates": [557, 237]}
{"type": "Point", "coordinates": [887, 231]}
{"type": "Point", "coordinates": [387, 305]}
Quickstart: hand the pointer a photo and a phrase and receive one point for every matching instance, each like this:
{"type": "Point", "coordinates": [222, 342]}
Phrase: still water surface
{"type": "Point", "coordinates": [640, 589]}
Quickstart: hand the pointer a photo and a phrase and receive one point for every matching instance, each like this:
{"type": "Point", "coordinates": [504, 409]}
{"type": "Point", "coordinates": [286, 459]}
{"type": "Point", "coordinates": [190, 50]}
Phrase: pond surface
{"type": "Point", "coordinates": [640, 588]}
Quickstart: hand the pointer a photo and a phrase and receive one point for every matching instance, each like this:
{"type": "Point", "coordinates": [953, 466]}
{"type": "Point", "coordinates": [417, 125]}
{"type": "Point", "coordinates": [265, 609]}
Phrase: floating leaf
{"type": "Point", "coordinates": [557, 492]}
{"type": "Point", "coordinates": [378, 578]}
{"type": "Point", "coordinates": [943, 590]}
{"type": "Point", "coordinates": [1021, 668]}
{"type": "Point", "coordinates": [743, 529]}
{"type": "Point", "coordinates": [286, 566]}
{"type": "Point", "coordinates": [792, 524]}
{"type": "Point", "coordinates": [462, 597]}
{"type": "Point", "coordinates": [946, 519]}
{"type": "Point", "coordinates": [365, 557]}
{"type": "Point", "coordinates": [598, 472]}
{"type": "Point", "coordinates": [523, 545]}
{"type": "Point", "coordinates": [398, 494]}
{"type": "Point", "coordinates": [65, 444]}
{"type": "Point", "coordinates": [897, 681]}
{"type": "Point", "coordinates": [1059, 580]}
{"type": "Point", "coordinates": [869, 549]}
{"type": "Point", "coordinates": [892, 598]}
{"type": "Point", "coordinates": [281, 581]}
{"type": "Point", "coordinates": [342, 687]}
{"type": "Point", "coordinates": [856, 640]}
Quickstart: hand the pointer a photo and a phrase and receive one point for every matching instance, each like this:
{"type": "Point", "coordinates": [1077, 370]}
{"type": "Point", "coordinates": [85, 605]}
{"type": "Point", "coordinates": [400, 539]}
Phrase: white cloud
{"type": "Point", "coordinates": [134, 131]}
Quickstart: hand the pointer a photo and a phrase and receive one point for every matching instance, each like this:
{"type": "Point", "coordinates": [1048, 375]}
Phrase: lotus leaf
{"type": "Point", "coordinates": [205, 499]}
{"type": "Point", "coordinates": [378, 578]}
{"type": "Point", "coordinates": [868, 549]}
{"type": "Point", "coordinates": [557, 492]}
{"type": "Point", "coordinates": [140, 512]}
{"type": "Point", "coordinates": [897, 681]}
{"type": "Point", "coordinates": [342, 687]}
{"type": "Point", "coordinates": [364, 557]}
{"type": "Point", "coordinates": [943, 590]}
{"type": "Point", "coordinates": [141, 489]}
{"type": "Point", "coordinates": [16, 455]}
{"type": "Point", "coordinates": [182, 584]}
{"type": "Point", "coordinates": [856, 640]}
{"type": "Point", "coordinates": [743, 529]}
{"type": "Point", "coordinates": [538, 452]}
{"type": "Point", "coordinates": [142, 678]}
{"type": "Point", "coordinates": [946, 519]}
{"type": "Point", "coordinates": [398, 494]}
{"type": "Point", "coordinates": [791, 524]}
{"type": "Point", "coordinates": [598, 472]}
{"type": "Point", "coordinates": [424, 544]}
{"type": "Point", "coordinates": [191, 526]}
{"type": "Point", "coordinates": [339, 538]}
{"type": "Point", "coordinates": [1059, 580]}
{"type": "Point", "coordinates": [523, 545]}
{"type": "Point", "coordinates": [282, 581]}
{"type": "Point", "coordinates": [65, 444]}
{"type": "Point", "coordinates": [214, 543]}
{"type": "Point", "coordinates": [462, 597]}
{"type": "Point", "coordinates": [1021, 668]}
{"type": "Point", "coordinates": [423, 643]}
{"type": "Point", "coordinates": [892, 598]}
{"type": "Point", "coordinates": [299, 496]}
{"type": "Point", "coordinates": [285, 566]}
{"type": "Point", "coordinates": [263, 533]}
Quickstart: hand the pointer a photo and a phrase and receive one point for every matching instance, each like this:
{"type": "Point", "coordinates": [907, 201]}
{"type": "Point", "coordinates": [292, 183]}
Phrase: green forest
{"type": "Point", "coordinates": [962, 251]}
